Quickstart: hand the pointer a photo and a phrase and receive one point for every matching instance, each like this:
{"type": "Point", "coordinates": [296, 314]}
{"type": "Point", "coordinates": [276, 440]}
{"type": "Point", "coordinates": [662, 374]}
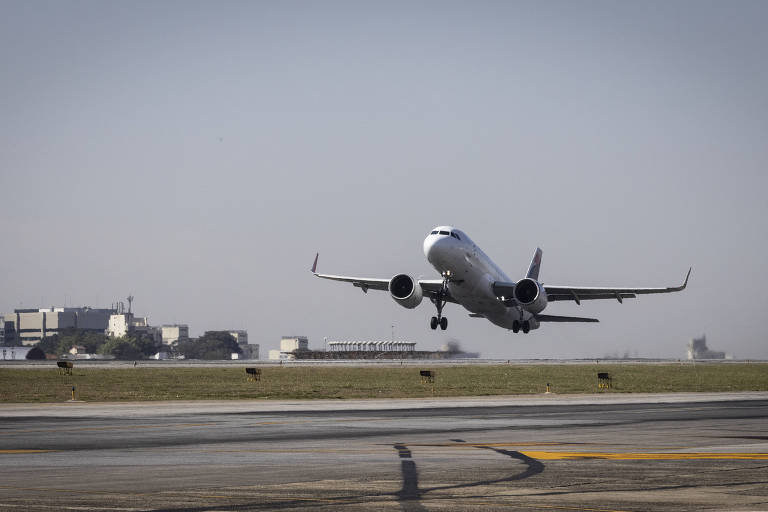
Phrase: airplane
{"type": "Point", "coordinates": [470, 278]}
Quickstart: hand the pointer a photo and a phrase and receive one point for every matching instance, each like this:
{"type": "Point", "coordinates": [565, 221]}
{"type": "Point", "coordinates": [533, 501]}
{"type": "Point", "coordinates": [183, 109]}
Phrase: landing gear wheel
{"type": "Point", "coordinates": [515, 327]}
{"type": "Point", "coordinates": [439, 301]}
{"type": "Point", "coordinates": [526, 327]}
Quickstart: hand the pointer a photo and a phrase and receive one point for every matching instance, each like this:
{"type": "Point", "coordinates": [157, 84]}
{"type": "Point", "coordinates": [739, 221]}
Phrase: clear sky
{"type": "Point", "coordinates": [198, 154]}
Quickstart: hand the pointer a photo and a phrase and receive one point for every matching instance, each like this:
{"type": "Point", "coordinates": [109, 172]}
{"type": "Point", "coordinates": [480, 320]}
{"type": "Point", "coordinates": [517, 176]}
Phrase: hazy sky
{"type": "Point", "coordinates": [198, 154]}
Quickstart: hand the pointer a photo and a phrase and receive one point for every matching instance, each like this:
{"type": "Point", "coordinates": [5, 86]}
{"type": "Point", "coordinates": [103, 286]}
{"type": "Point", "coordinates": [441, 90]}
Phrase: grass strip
{"type": "Point", "coordinates": [303, 382]}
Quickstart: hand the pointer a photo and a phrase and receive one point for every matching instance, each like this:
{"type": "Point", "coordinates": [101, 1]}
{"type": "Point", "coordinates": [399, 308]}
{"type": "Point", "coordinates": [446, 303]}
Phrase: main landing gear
{"type": "Point", "coordinates": [439, 301]}
{"type": "Point", "coordinates": [438, 320]}
{"type": "Point", "coordinates": [525, 326]}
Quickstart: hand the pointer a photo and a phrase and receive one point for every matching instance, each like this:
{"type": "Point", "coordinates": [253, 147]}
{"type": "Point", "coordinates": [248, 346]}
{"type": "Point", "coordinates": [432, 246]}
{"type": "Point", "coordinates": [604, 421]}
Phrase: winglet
{"type": "Point", "coordinates": [682, 286]}
{"type": "Point", "coordinates": [314, 265]}
{"type": "Point", "coordinates": [686, 278]}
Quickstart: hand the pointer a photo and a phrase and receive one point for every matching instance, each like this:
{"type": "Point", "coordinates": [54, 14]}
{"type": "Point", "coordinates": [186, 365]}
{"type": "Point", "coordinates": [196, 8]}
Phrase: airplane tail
{"type": "Point", "coordinates": [533, 269]}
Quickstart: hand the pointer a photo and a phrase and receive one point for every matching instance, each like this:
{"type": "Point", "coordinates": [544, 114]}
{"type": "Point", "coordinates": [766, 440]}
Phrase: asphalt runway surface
{"type": "Point", "coordinates": [597, 453]}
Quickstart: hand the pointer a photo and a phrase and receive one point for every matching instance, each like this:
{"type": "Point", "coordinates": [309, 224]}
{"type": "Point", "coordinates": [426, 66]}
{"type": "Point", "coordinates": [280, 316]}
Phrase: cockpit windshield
{"type": "Point", "coordinates": [446, 233]}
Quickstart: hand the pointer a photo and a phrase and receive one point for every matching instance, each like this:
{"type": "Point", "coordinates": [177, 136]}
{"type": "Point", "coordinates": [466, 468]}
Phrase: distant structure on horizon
{"type": "Point", "coordinates": [297, 347]}
{"type": "Point", "coordinates": [249, 350]}
{"type": "Point", "coordinates": [29, 326]}
{"type": "Point", "coordinates": [697, 349]}
{"type": "Point", "coordinates": [241, 336]}
{"type": "Point", "coordinates": [174, 333]}
{"type": "Point", "coordinates": [289, 345]}
{"type": "Point", "coordinates": [122, 324]}
{"type": "Point", "coordinates": [13, 353]}
{"type": "Point", "coordinates": [371, 346]}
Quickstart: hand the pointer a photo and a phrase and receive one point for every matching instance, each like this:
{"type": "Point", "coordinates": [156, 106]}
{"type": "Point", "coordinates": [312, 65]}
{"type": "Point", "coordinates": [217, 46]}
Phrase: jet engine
{"type": "Point", "coordinates": [405, 290]}
{"type": "Point", "coordinates": [531, 295]}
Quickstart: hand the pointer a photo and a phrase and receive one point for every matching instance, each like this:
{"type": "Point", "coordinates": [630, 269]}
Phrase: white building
{"type": "Point", "coordinates": [13, 353]}
{"type": "Point", "coordinates": [371, 346]}
{"type": "Point", "coordinates": [123, 324]}
{"type": "Point", "coordinates": [291, 343]}
{"type": "Point", "coordinates": [288, 345]}
{"type": "Point", "coordinates": [175, 333]}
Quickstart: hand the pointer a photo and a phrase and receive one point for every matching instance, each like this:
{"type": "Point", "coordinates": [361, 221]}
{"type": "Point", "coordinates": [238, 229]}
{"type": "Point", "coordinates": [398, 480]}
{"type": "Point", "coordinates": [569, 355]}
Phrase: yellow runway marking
{"type": "Point", "coordinates": [25, 451]}
{"type": "Point", "coordinates": [644, 456]}
{"type": "Point", "coordinates": [490, 445]}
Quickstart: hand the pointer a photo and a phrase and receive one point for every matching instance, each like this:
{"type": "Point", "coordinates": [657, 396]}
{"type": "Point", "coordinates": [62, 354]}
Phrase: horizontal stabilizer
{"type": "Point", "coordinates": [556, 318]}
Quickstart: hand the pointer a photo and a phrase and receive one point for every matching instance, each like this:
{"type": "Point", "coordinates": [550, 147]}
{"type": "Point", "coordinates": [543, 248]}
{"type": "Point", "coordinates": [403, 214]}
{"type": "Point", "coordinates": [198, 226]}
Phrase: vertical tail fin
{"type": "Point", "coordinates": [533, 269]}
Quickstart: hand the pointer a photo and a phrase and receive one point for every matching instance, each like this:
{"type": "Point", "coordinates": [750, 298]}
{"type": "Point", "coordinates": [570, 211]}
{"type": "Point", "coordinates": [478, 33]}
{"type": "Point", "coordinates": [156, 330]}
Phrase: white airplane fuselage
{"type": "Point", "coordinates": [472, 274]}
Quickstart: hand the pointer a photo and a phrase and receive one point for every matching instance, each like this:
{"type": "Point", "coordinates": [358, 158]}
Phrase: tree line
{"type": "Point", "coordinates": [211, 345]}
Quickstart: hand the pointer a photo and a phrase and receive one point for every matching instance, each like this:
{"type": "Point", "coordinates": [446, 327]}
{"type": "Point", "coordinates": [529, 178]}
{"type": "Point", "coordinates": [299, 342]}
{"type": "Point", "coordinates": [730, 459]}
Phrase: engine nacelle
{"type": "Point", "coordinates": [405, 290]}
{"type": "Point", "coordinates": [531, 295]}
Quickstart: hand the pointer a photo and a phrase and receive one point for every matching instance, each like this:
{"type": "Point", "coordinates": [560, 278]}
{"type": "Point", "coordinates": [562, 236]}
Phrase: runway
{"type": "Point", "coordinates": [600, 453]}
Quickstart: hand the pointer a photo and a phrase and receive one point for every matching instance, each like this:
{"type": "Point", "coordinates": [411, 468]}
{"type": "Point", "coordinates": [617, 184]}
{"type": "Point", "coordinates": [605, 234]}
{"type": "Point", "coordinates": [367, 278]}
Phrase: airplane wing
{"type": "Point", "coordinates": [577, 294]}
{"type": "Point", "coordinates": [430, 287]}
{"type": "Point", "coordinates": [556, 318]}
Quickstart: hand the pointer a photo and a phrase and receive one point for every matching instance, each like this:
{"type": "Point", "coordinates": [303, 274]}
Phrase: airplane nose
{"type": "Point", "coordinates": [431, 243]}
{"type": "Point", "coordinates": [428, 243]}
